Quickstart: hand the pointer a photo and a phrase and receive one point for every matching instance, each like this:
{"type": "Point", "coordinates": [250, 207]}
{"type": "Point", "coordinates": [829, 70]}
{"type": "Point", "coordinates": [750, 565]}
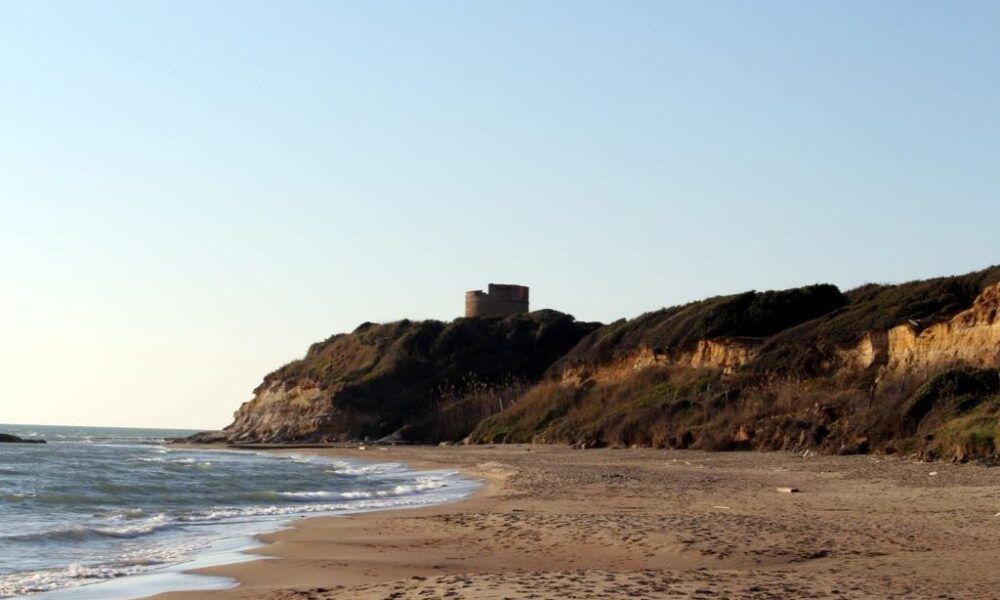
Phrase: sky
{"type": "Point", "coordinates": [193, 192]}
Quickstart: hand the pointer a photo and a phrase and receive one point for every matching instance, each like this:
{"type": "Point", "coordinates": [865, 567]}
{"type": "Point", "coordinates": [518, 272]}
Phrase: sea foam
{"type": "Point", "coordinates": [93, 507]}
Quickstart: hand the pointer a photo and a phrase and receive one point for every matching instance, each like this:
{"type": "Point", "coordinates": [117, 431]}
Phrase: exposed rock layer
{"type": "Point", "coordinates": [972, 337]}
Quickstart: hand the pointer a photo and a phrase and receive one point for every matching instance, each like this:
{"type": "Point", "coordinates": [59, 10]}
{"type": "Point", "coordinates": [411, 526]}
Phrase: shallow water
{"type": "Point", "coordinates": [96, 504]}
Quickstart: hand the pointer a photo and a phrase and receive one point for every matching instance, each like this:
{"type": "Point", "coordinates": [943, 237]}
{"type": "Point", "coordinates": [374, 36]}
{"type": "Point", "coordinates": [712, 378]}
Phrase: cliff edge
{"type": "Point", "coordinates": [907, 368]}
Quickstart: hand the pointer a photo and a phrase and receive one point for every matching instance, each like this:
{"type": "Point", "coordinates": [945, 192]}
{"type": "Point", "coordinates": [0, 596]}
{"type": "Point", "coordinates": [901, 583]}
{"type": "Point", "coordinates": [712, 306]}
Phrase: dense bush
{"type": "Point", "coordinates": [956, 391]}
{"type": "Point", "coordinates": [750, 314]}
{"type": "Point", "coordinates": [394, 372]}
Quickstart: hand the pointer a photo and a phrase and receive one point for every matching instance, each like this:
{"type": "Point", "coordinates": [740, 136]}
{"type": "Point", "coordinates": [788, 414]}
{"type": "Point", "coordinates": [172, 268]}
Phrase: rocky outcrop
{"type": "Point", "coordinates": [6, 438]}
{"type": "Point", "coordinates": [284, 411]}
{"type": "Point", "coordinates": [205, 437]}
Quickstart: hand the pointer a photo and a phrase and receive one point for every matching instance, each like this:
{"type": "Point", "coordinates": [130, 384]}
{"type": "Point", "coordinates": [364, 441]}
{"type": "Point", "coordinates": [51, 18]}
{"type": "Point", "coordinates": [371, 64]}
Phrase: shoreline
{"type": "Point", "coordinates": [195, 573]}
{"type": "Point", "coordinates": [245, 573]}
{"type": "Point", "coordinates": [554, 522]}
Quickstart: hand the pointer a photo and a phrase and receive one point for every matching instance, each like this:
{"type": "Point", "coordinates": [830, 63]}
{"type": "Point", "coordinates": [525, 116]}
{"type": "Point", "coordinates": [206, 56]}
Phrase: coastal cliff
{"type": "Point", "coordinates": [889, 368]}
{"type": "Point", "coordinates": [909, 368]}
{"type": "Point", "coordinates": [389, 378]}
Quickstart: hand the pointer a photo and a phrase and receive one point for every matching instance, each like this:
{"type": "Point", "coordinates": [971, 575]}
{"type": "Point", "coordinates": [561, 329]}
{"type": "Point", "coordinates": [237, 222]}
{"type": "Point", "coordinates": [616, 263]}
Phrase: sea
{"type": "Point", "coordinates": [112, 513]}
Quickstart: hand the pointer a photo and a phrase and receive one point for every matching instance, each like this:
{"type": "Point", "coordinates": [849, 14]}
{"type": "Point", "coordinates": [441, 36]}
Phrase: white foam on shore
{"type": "Point", "coordinates": [122, 583]}
{"type": "Point", "coordinates": [422, 483]}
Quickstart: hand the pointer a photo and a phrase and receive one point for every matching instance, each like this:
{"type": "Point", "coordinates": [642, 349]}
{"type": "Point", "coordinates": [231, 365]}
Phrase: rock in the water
{"type": "Point", "coordinates": [205, 437]}
{"type": "Point", "coordinates": [6, 438]}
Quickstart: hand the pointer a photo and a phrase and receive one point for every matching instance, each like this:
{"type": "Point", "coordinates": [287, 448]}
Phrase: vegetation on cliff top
{"type": "Point", "coordinates": [750, 314]}
{"type": "Point", "coordinates": [394, 372]}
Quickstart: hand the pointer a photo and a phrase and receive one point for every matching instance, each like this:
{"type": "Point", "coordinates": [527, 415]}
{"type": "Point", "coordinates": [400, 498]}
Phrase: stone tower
{"type": "Point", "coordinates": [501, 300]}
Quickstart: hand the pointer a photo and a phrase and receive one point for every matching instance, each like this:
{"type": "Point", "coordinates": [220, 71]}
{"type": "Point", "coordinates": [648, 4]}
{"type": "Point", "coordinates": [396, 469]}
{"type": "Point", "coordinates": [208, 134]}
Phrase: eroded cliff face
{"type": "Point", "coordinates": [725, 355]}
{"type": "Point", "coordinates": [287, 412]}
{"type": "Point", "coordinates": [972, 337]}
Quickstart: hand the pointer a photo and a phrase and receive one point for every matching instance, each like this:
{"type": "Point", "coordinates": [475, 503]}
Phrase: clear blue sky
{"type": "Point", "coordinates": [192, 192]}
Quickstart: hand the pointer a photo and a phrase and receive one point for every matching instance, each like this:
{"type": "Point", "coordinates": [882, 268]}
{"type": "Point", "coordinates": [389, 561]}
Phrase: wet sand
{"type": "Point", "coordinates": [553, 522]}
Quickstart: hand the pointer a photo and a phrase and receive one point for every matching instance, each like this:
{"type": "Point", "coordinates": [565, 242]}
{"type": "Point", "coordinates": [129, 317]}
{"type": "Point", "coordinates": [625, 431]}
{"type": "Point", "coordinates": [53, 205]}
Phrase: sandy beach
{"type": "Point", "coordinates": [552, 522]}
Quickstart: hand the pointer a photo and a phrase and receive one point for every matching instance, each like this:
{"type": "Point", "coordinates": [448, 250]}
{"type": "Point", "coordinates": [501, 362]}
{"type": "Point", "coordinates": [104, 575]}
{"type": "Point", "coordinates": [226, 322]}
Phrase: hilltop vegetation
{"type": "Point", "coordinates": [793, 393]}
{"type": "Point", "coordinates": [750, 314]}
{"type": "Point", "coordinates": [382, 378]}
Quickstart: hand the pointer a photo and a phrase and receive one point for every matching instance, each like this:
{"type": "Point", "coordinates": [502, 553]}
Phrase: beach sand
{"type": "Point", "coordinates": [553, 522]}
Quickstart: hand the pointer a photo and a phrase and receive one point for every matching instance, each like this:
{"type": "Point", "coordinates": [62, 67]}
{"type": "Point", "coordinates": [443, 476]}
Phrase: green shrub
{"type": "Point", "coordinates": [955, 391]}
{"type": "Point", "coordinates": [976, 435]}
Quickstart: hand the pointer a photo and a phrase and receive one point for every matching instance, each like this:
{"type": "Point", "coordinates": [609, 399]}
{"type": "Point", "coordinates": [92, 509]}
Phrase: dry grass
{"type": "Point", "coordinates": [947, 415]}
{"type": "Point", "coordinates": [460, 408]}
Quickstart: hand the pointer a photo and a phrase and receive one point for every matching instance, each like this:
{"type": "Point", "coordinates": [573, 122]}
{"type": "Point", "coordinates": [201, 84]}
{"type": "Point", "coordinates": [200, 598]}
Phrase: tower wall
{"type": "Point", "coordinates": [501, 300]}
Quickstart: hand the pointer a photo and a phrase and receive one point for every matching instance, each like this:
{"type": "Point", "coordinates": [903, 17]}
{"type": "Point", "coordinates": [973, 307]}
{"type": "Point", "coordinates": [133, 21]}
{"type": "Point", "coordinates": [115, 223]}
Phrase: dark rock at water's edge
{"type": "Point", "coordinates": [6, 438]}
{"type": "Point", "coordinates": [204, 437]}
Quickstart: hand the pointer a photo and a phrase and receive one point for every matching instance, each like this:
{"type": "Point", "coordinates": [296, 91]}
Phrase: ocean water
{"type": "Point", "coordinates": [122, 514]}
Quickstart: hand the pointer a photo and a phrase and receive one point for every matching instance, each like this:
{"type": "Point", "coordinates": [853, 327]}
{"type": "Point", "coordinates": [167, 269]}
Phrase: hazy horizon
{"type": "Point", "coordinates": [194, 193]}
